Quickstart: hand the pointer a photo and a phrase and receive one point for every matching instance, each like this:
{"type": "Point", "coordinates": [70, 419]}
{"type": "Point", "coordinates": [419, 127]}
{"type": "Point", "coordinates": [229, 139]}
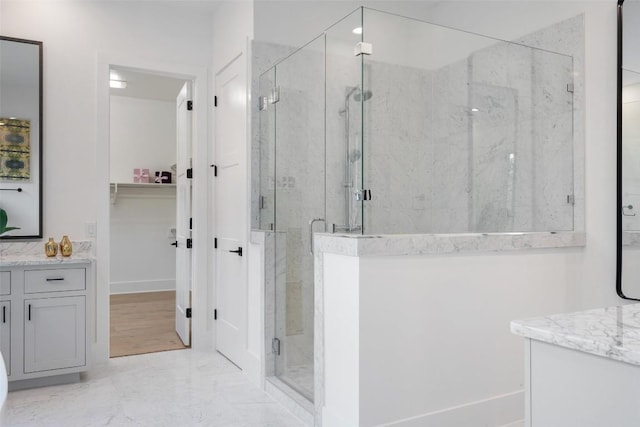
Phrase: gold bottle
{"type": "Point", "coordinates": [65, 246]}
{"type": "Point", "coordinates": [51, 248]}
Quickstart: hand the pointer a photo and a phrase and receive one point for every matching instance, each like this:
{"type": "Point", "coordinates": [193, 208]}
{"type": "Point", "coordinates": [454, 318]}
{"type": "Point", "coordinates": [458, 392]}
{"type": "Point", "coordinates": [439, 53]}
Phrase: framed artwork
{"type": "Point", "coordinates": [15, 149]}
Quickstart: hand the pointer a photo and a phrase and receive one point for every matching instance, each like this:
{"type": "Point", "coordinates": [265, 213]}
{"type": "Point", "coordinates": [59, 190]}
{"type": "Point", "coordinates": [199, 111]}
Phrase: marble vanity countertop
{"type": "Point", "coordinates": [612, 332]}
{"type": "Point", "coordinates": [22, 260]}
{"type": "Point", "coordinates": [18, 254]}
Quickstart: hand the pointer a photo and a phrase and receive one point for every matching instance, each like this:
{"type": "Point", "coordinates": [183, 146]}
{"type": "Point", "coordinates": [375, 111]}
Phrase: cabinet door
{"type": "Point", "coordinates": [5, 333]}
{"type": "Point", "coordinates": [54, 333]}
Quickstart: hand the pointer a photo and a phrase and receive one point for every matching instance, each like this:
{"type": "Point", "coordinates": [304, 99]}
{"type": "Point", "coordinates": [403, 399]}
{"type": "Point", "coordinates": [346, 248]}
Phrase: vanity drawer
{"type": "Point", "coordinates": [64, 279]}
{"type": "Point", "coordinates": [5, 283]}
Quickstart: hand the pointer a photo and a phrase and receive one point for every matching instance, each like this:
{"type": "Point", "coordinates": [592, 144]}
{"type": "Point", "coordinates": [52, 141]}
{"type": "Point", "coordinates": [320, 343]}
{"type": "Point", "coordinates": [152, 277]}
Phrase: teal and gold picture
{"type": "Point", "coordinates": [15, 150]}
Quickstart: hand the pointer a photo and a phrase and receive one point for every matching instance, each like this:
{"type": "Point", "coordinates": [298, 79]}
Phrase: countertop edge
{"type": "Point", "coordinates": [433, 244]}
{"type": "Point", "coordinates": [575, 342]}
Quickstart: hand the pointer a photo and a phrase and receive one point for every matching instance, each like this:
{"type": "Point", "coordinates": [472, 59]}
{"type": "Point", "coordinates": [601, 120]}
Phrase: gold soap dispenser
{"type": "Point", "coordinates": [51, 248]}
{"type": "Point", "coordinates": [65, 246]}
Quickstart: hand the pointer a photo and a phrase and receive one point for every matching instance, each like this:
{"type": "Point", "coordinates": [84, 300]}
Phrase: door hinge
{"type": "Point", "coordinates": [275, 346]}
{"type": "Point", "coordinates": [190, 173]}
{"type": "Point", "coordinates": [366, 194]}
{"type": "Point", "coordinates": [215, 314]}
{"type": "Point", "coordinates": [215, 243]}
{"type": "Point", "coordinates": [189, 243]}
{"type": "Point", "coordinates": [363, 48]}
{"type": "Point", "coordinates": [188, 313]}
{"type": "Point", "coordinates": [215, 100]}
{"type": "Point", "coordinates": [275, 95]}
{"type": "Point", "coordinates": [190, 223]}
{"type": "Point", "coordinates": [263, 103]}
{"type": "Point", "coordinates": [215, 170]}
{"type": "Point", "coordinates": [571, 199]}
{"type": "Point", "coordinates": [189, 105]}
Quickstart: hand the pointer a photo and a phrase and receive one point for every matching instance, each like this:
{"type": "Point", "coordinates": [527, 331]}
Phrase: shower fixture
{"type": "Point", "coordinates": [351, 156]}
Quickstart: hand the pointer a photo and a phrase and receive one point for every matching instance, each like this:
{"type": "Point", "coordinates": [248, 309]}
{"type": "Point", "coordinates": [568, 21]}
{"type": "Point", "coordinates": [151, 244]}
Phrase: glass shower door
{"type": "Point", "coordinates": [298, 98]}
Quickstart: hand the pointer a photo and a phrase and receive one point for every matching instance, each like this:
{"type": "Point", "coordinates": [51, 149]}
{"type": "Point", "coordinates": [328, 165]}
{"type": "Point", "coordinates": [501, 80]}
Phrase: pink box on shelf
{"type": "Point", "coordinates": [136, 175]}
{"type": "Point", "coordinates": [144, 176]}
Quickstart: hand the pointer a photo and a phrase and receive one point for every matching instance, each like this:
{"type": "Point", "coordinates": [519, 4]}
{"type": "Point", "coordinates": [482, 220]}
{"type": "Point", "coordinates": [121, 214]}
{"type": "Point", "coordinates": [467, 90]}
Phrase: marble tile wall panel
{"type": "Point", "coordinates": [398, 160]}
{"type": "Point", "coordinates": [567, 37]}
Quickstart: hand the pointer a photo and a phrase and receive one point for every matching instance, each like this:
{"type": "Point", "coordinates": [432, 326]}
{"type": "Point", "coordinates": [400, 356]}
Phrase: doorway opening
{"type": "Point", "coordinates": [148, 269]}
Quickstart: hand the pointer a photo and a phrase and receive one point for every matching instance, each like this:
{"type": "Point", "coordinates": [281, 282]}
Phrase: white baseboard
{"type": "Point", "coordinates": [506, 409]}
{"type": "Point", "coordinates": [142, 286]}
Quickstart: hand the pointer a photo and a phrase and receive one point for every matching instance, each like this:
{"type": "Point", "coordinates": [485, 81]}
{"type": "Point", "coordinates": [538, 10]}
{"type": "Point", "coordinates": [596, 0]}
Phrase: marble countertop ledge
{"type": "Point", "coordinates": [27, 260]}
{"type": "Point", "coordinates": [17, 254]}
{"type": "Point", "coordinates": [432, 244]}
{"type": "Point", "coordinates": [612, 332]}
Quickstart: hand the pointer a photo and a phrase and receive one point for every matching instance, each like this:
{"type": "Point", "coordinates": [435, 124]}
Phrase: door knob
{"type": "Point", "coordinates": [237, 251]}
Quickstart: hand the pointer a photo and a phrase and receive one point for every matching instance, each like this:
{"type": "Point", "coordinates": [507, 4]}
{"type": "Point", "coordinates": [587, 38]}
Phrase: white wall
{"type": "Point", "coordinates": [143, 135]}
{"type": "Point", "coordinates": [73, 33]}
{"type": "Point", "coordinates": [427, 337]}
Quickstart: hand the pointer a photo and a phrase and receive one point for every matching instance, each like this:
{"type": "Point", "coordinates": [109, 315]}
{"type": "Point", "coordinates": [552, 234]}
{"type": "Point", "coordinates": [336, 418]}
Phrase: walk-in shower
{"type": "Point", "coordinates": [406, 128]}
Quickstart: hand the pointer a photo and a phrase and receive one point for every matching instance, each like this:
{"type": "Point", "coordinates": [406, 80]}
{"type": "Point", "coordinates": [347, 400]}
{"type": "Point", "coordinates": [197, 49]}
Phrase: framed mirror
{"type": "Point", "coordinates": [628, 151]}
{"type": "Point", "coordinates": [20, 138]}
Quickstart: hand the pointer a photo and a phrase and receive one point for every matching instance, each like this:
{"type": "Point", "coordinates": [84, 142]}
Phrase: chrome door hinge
{"type": "Point", "coordinates": [363, 48]}
{"type": "Point", "coordinates": [275, 346]}
{"type": "Point", "coordinates": [263, 103]}
{"type": "Point", "coordinates": [275, 95]}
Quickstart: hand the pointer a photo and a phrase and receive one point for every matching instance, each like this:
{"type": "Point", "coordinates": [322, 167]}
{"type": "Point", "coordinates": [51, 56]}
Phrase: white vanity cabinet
{"type": "Point", "coordinates": [45, 321]}
{"type": "Point", "coordinates": [5, 333]}
{"type": "Point", "coordinates": [582, 369]}
{"type": "Point", "coordinates": [54, 333]}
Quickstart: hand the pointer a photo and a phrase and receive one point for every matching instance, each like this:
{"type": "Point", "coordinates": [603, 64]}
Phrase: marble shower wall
{"type": "Point", "coordinates": [484, 144]}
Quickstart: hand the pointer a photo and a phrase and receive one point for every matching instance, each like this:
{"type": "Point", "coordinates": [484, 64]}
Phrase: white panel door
{"type": "Point", "coordinates": [183, 215]}
{"type": "Point", "coordinates": [5, 333]}
{"type": "Point", "coordinates": [54, 333]}
{"type": "Point", "coordinates": [230, 207]}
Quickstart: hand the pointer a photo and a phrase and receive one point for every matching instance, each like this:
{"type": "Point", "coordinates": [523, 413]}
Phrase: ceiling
{"type": "Point", "coordinates": [146, 85]}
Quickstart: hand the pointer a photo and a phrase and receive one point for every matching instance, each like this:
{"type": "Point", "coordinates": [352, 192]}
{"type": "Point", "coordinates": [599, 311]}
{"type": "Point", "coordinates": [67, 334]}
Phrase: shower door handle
{"type": "Point", "coordinates": [314, 220]}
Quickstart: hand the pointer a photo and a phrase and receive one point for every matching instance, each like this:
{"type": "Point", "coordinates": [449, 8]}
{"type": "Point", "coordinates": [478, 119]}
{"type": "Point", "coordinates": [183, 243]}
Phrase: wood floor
{"type": "Point", "coordinates": [143, 323]}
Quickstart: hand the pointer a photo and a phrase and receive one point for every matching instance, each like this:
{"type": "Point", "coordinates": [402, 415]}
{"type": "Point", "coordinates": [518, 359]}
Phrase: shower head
{"type": "Point", "coordinates": [360, 96]}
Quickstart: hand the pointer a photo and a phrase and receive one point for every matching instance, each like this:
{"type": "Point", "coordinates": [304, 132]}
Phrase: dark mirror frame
{"type": "Point", "coordinates": [40, 144]}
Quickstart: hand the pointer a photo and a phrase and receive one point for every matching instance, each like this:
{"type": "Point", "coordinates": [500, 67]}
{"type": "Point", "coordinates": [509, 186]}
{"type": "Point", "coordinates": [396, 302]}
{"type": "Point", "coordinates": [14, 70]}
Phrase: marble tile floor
{"type": "Point", "coordinates": [173, 388]}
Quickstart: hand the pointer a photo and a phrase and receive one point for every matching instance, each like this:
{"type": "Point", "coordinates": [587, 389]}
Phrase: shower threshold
{"type": "Point", "coordinates": [291, 398]}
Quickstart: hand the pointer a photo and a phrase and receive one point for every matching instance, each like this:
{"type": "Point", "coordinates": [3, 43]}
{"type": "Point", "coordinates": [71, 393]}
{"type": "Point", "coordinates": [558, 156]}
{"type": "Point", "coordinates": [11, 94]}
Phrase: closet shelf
{"type": "Point", "coordinates": [118, 185]}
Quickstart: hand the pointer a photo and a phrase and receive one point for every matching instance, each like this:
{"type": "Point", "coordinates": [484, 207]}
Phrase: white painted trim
{"type": "Point", "coordinates": [202, 310]}
{"type": "Point", "coordinates": [505, 408]}
{"type": "Point", "coordinates": [140, 286]}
